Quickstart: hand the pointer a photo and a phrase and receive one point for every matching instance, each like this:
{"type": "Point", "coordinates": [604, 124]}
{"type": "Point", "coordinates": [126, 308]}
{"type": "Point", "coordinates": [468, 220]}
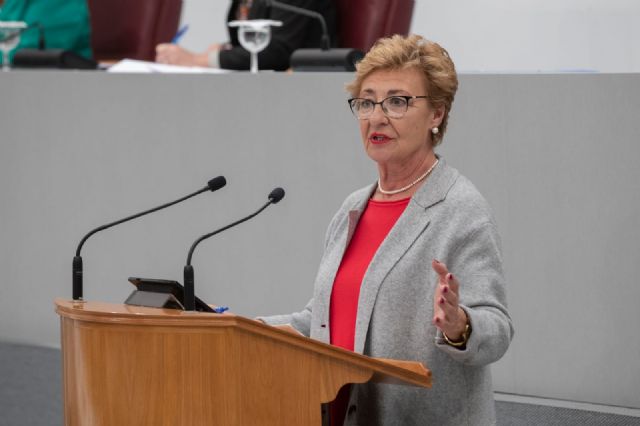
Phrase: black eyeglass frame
{"type": "Point", "coordinates": [406, 98]}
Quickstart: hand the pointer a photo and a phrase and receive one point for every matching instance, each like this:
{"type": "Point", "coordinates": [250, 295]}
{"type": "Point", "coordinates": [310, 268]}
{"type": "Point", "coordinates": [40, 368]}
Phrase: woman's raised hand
{"type": "Point", "coordinates": [448, 316]}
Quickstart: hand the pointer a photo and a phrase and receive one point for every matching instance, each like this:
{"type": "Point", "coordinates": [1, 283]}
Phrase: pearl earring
{"type": "Point", "coordinates": [435, 130]}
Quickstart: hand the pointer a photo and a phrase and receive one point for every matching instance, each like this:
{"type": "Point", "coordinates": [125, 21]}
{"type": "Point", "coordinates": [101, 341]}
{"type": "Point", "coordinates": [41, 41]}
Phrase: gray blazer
{"type": "Point", "coordinates": [447, 219]}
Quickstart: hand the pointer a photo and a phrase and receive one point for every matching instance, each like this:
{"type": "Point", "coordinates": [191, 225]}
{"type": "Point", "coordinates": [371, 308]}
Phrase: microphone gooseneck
{"type": "Point", "coordinates": [77, 273]}
{"type": "Point", "coordinates": [42, 44]}
{"type": "Point", "coordinates": [274, 197]}
{"type": "Point", "coordinates": [325, 41]}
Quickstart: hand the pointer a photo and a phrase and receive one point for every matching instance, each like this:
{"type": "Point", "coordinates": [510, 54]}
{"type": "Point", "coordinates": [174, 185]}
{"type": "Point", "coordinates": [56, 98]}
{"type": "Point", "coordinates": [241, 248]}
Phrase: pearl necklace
{"type": "Point", "coordinates": [404, 188]}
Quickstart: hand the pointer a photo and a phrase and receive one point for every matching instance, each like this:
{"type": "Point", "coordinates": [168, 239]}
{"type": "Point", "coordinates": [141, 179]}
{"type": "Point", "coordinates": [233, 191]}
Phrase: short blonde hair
{"type": "Point", "coordinates": [433, 61]}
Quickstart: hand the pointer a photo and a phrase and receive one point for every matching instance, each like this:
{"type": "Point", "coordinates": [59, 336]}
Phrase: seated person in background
{"type": "Point", "coordinates": [64, 24]}
{"type": "Point", "coordinates": [296, 32]}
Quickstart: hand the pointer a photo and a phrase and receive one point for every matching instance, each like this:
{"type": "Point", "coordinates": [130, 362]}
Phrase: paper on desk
{"type": "Point", "coordinates": [135, 66]}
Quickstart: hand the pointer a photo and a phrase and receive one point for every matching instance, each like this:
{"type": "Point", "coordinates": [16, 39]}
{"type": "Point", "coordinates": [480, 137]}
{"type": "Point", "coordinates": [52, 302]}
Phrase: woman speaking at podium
{"type": "Point", "coordinates": [412, 267]}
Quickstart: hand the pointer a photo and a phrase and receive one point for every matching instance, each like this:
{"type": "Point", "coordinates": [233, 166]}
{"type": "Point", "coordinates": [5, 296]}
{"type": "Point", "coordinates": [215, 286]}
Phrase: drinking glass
{"type": "Point", "coordinates": [254, 35]}
{"type": "Point", "coordinates": [9, 39]}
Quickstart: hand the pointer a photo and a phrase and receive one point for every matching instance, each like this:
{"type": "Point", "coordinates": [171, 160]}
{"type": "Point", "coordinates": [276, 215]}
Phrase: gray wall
{"type": "Point", "coordinates": [554, 154]}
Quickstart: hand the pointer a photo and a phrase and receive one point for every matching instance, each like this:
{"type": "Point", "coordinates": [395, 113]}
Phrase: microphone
{"type": "Point", "coordinates": [324, 59]}
{"type": "Point", "coordinates": [42, 44]}
{"type": "Point", "coordinates": [189, 289]}
{"type": "Point", "coordinates": [325, 41]}
{"type": "Point", "coordinates": [213, 185]}
{"type": "Point", "coordinates": [49, 58]}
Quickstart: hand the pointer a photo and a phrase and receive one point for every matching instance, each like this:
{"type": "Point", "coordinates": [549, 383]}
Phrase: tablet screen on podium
{"type": "Point", "coordinates": [161, 294]}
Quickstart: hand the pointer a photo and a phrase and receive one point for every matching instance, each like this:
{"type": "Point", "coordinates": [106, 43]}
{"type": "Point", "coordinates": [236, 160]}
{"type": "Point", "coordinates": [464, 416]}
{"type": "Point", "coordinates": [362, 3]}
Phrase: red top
{"type": "Point", "coordinates": [374, 225]}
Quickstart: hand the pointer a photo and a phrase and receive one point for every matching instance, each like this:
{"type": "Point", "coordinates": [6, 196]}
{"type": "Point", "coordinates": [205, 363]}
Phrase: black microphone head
{"type": "Point", "coordinates": [216, 183]}
{"type": "Point", "coordinates": [276, 195]}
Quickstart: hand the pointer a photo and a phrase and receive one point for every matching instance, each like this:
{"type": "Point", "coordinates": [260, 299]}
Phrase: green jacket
{"type": "Point", "coordinates": [65, 23]}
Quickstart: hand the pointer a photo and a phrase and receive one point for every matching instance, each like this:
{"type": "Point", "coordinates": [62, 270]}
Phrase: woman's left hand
{"type": "Point", "coordinates": [448, 316]}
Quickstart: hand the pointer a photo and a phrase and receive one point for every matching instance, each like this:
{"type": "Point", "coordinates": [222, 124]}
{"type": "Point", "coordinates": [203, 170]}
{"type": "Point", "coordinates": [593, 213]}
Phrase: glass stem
{"type": "Point", "coordinates": [254, 63]}
{"type": "Point", "coordinates": [5, 60]}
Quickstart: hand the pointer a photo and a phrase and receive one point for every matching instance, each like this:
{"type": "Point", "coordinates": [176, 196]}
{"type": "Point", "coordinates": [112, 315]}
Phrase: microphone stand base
{"type": "Point", "coordinates": [52, 58]}
{"type": "Point", "coordinates": [344, 59]}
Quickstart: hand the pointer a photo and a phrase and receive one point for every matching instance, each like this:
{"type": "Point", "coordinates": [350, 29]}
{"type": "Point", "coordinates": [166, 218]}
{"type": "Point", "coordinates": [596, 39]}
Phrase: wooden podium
{"type": "Point", "coordinates": [130, 365]}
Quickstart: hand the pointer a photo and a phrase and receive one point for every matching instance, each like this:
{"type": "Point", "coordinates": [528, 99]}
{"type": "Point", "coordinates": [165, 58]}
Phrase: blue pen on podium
{"type": "Point", "coordinates": [176, 38]}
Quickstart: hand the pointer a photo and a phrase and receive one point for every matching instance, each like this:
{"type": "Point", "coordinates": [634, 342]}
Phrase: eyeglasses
{"type": "Point", "coordinates": [393, 106]}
